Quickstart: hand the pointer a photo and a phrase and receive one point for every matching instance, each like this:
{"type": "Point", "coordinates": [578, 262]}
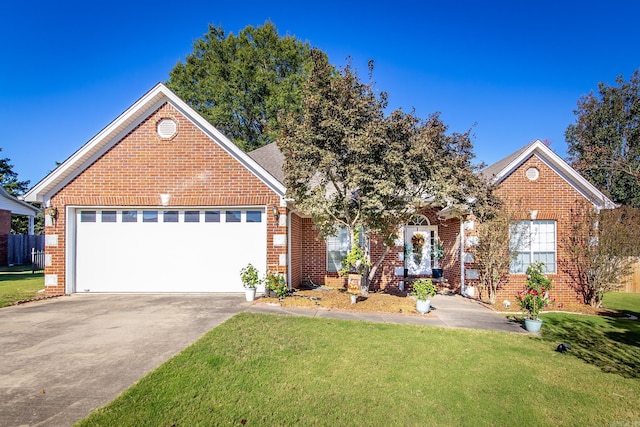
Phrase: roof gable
{"type": "Point", "coordinates": [15, 205]}
{"type": "Point", "coordinates": [125, 123]}
{"type": "Point", "coordinates": [502, 169]}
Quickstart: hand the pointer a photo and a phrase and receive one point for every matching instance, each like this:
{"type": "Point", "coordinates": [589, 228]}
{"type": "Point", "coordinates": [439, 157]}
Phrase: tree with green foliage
{"type": "Point", "coordinates": [349, 165]}
{"type": "Point", "coordinates": [240, 83]}
{"type": "Point", "coordinates": [9, 179]}
{"type": "Point", "coordinates": [15, 187]}
{"type": "Point", "coordinates": [604, 143]}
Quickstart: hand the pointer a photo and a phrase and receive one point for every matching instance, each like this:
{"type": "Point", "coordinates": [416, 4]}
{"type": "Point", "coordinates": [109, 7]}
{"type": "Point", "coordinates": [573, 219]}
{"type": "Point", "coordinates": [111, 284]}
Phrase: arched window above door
{"type": "Point", "coordinates": [419, 220]}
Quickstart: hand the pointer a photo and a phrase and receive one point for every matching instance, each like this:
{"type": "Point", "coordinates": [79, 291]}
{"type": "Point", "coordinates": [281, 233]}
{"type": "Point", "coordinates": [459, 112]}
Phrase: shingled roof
{"type": "Point", "coordinates": [271, 159]}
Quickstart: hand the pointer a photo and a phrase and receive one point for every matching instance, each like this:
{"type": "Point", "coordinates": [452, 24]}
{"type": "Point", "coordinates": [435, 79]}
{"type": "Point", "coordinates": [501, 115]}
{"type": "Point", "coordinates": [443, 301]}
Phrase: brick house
{"type": "Point", "coordinates": [10, 205]}
{"type": "Point", "coordinates": [161, 201]}
{"type": "Point", "coordinates": [544, 188]}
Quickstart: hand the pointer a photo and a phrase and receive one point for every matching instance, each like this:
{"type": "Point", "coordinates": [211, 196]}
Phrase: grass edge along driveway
{"type": "Point", "coordinates": [258, 369]}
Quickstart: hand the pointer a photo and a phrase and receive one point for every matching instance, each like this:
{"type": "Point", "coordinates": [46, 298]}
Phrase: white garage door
{"type": "Point", "coordinates": [155, 250]}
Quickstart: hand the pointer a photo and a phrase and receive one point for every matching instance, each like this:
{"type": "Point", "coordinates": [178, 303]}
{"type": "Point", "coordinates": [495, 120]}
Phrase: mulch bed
{"type": "Point", "coordinates": [339, 299]}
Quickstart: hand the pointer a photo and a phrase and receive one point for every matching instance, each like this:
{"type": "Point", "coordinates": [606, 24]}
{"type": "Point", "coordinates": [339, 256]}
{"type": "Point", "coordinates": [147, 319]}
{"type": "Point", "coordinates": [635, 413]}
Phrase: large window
{"type": "Point", "coordinates": [533, 241]}
{"type": "Point", "coordinates": [338, 248]}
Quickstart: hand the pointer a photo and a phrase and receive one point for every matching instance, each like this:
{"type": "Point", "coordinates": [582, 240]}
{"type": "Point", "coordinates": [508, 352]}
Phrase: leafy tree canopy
{"type": "Point", "coordinates": [604, 143]}
{"type": "Point", "coordinates": [348, 164]}
{"type": "Point", "coordinates": [240, 83]}
{"type": "Point", "coordinates": [9, 179]}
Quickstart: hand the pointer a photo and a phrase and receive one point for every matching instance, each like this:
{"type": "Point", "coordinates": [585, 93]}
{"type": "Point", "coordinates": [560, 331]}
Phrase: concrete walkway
{"type": "Point", "coordinates": [447, 311]}
{"type": "Point", "coordinates": [65, 357]}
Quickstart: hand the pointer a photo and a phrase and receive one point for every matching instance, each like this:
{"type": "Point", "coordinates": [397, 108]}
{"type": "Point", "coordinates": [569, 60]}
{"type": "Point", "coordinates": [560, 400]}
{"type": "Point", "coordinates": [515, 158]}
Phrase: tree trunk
{"type": "Point", "coordinates": [370, 273]}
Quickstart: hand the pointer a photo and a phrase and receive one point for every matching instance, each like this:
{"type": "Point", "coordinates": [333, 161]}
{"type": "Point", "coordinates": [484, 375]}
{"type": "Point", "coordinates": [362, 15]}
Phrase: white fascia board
{"type": "Point", "coordinates": [15, 205]}
{"type": "Point", "coordinates": [563, 169]}
{"type": "Point", "coordinates": [124, 124]}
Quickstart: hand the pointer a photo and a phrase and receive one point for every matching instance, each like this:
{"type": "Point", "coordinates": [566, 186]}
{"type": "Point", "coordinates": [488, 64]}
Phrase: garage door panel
{"type": "Point", "coordinates": [167, 257]}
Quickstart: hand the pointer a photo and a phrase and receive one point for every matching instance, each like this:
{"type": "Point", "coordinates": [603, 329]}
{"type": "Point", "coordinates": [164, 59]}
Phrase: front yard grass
{"type": "Point", "coordinates": [258, 369]}
{"type": "Point", "coordinates": [17, 284]}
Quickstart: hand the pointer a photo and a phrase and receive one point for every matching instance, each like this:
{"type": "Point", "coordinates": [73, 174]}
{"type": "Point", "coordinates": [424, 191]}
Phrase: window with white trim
{"type": "Point", "coordinates": [533, 241]}
{"type": "Point", "coordinates": [338, 248]}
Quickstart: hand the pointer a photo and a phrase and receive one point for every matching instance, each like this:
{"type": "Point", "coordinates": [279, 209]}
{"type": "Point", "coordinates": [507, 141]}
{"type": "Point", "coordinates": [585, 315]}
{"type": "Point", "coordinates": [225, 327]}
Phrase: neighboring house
{"type": "Point", "coordinates": [10, 205]}
{"type": "Point", "coordinates": [161, 201]}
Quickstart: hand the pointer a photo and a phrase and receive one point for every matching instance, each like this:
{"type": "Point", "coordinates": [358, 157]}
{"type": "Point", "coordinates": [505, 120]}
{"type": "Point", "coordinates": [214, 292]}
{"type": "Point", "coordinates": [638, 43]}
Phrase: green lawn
{"type": "Point", "coordinates": [279, 370]}
{"type": "Point", "coordinates": [17, 284]}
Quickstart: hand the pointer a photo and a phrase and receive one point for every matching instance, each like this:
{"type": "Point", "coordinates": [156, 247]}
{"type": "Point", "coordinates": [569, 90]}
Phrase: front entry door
{"type": "Point", "coordinates": [417, 242]}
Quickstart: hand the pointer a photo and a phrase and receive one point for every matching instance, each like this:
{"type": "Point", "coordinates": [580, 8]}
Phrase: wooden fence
{"type": "Point", "coordinates": [19, 248]}
{"type": "Point", "coordinates": [632, 282]}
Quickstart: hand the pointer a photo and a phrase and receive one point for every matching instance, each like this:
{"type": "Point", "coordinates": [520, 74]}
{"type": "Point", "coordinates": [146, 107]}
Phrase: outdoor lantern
{"type": "Point", "coordinates": [276, 212]}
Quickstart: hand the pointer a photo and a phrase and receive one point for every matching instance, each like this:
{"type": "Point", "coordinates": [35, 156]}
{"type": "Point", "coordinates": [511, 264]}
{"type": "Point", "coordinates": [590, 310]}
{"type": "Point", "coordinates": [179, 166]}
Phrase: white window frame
{"type": "Point", "coordinates": [531, 245]}
{"type": "Point", "coordinates": [339, 243]}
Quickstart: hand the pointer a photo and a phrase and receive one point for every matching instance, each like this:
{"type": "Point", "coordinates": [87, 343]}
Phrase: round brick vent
{"type": "Point", "coordinates": [167, 128]}
{"type": "Point", "coordinates": [532, 174]}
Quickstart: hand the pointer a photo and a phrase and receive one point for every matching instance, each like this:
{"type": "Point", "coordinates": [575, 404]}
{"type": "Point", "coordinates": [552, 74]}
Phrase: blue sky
{"type": "Point", "coordinates": [511, 70]}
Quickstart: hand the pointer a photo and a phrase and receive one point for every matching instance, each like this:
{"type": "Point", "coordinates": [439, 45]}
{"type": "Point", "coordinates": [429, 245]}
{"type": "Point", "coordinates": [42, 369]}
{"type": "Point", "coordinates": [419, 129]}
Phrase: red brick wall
{"type": "Point", "coordinates": [295, 261]}
{"type": "Point", "coordinates": [314, 254]}
{"type": "Point", "coordinates": [191, 167]}
{"type": "Point", "coordinates": [552, 197]}
{"type": "Point", "coordinates": [5, 230]}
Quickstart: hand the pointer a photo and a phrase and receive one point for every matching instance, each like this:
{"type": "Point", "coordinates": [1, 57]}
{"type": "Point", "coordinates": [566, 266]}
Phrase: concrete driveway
{"type": "Point", "coordinates": [62, 358]}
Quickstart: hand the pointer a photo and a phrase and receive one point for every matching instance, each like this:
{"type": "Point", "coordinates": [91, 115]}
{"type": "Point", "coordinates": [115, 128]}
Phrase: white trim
{"type": "Point", "coordinates": [122, 125]}
{"type": "Point", "coordinates": [562, 168]}
{"type": "Point", "coordinates": [70, 249]}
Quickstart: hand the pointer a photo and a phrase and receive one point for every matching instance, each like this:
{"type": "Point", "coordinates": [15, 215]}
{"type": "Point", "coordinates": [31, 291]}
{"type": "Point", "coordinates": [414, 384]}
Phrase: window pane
{"type": "Point", "coordinates": [549, 260]}
{"type": "Point", "coordinates": [170, 216]}
{"type": "Point", "coordinates": [233, 216]}
{"type": "Point", "coordinates": [87, 216]}
{"type": "Point", "coordinates": [149, 216]}
{"type": "Point", "coordinates": [192, 216]}
{"type": "Point", "coordinates": [337, 249]}
{"type": "Point", "coordinates": [254, 216]}
{"type": "Point", "coordinates": [519, 236]}
{"type": "Point", "coordinates": [212, 216]}
{"type": "Point", "coordinates": [129, 216]}
{"type": "Point", "coordinates": [520, 263]}
{"type": "Point", "coordinates": [108, 216]}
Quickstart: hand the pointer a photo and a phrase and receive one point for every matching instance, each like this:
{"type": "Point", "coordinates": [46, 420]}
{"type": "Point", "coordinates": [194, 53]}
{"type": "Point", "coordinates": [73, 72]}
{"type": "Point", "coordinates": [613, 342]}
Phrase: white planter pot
{"type": "Point", "coordinates": [423, 306]}
{"type": "Point", "coordinates": [250, 293]}
{"type": "Point", "coordinates": [470, 291]}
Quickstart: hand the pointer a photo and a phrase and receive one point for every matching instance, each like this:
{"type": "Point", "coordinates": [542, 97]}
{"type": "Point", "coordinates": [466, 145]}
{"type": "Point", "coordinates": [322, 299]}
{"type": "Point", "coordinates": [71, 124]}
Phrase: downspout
{"type": "Point", "coordinates": [462, 271]}
{"type": "Point", "coordinates": [289, 213]}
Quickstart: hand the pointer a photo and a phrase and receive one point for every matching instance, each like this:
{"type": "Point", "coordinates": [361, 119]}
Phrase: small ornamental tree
{"type": "Point", "coordinates": [349, 165]}
{"type": "Point", "coordinates": [495, 249]}
{"type": "Point", "coordinates": [600, 248]}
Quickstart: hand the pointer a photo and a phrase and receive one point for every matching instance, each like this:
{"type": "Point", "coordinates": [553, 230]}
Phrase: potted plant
{"type": "Point", "coordinates": [423, 290]}
{"type": "Point", "coordinates": [437, 252]}
{"type": "Point", "coordinates": [276, 285]}
{"type": "Point", "coordinates": [534, 297]}
{"type": "Point", "coordinates": [250, 279]}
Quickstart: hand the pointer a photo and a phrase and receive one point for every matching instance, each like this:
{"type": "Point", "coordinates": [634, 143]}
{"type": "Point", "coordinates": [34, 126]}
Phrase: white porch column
{"type": "Point", "coordinates": [31, 222]}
